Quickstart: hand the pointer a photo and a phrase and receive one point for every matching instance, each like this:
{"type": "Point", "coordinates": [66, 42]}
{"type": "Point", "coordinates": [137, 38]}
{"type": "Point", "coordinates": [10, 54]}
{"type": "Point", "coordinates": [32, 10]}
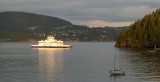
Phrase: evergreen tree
{"type": "Point", "coordinates": [143, 33]}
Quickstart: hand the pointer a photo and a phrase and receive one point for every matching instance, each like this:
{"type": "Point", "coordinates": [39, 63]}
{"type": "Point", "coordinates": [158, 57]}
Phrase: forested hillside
{"type": "Point", "coordinates": [30, 21]}
{"type": "Point", "coordinates": [143, 33]}
{"type": "Point", "coordinates": [21, 26]}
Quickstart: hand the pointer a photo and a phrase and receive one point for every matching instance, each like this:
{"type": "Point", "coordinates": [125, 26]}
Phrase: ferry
{"type": "Point", "coordinates": [50, 42]}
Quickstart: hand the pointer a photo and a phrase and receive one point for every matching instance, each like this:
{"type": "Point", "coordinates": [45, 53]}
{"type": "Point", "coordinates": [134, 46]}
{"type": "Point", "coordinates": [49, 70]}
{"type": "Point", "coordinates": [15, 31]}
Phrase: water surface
{"type": "Point", "coordinates": [85, 62]}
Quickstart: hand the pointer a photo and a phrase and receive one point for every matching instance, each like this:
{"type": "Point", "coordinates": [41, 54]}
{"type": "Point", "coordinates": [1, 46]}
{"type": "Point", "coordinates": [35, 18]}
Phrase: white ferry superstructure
{"type": "Point", "coordinates": [50, 42]}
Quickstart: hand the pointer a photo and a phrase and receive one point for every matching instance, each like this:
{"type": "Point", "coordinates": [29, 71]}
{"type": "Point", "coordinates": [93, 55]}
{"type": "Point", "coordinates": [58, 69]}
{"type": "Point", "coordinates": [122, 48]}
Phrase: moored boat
{"type": "Point", "coordinates": [116, 72]}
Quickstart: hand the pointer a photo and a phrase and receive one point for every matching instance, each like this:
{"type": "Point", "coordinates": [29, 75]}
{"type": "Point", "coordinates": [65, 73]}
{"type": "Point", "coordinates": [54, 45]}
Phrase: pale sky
{"type": "Point", "coordinates": [92, 13]}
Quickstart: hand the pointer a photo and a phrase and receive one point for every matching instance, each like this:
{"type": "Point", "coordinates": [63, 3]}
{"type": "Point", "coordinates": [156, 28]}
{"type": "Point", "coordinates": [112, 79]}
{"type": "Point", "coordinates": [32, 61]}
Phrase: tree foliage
{"type": "Point", "coordinates": [143, 33]}
{"type": "Point", "coordinates": [30, 21]}
{"type": "Point", "coordinates": [21, 26]}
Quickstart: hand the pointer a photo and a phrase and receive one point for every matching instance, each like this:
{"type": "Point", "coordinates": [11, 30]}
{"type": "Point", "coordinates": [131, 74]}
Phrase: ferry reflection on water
{"type": "Point", "coordinates": [50, 63]}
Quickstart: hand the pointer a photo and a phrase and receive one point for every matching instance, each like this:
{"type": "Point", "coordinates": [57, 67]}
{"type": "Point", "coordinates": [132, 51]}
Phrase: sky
{"type": "Point", "coordinates": [93, 13]}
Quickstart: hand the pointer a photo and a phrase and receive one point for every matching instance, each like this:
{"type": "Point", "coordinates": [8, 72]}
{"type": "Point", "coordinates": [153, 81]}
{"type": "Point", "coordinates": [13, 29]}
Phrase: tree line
{"type": "Point", "coordinates": [143, 33]}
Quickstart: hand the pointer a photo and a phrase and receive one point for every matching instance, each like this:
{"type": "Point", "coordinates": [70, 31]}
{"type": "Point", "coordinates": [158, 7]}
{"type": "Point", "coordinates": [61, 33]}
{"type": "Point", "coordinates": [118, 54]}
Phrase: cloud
{"type": "Point", "coordinates": [112, 11]}
{"type": "Point", "coordinates": [100, 23]}
{"type": "Point", "coordinates": [135, 11]}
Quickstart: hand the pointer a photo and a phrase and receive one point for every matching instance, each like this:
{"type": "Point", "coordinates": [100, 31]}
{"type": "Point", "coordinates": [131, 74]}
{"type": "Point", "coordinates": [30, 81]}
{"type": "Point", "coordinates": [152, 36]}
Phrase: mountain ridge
{"type": "Point", "coordinates": [30, 21]}
{"type": "Point", "coordinates": [30, 27]}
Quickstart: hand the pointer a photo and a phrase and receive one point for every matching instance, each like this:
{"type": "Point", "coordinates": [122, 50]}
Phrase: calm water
{"type": "Point", "coordinates": [85, 62]}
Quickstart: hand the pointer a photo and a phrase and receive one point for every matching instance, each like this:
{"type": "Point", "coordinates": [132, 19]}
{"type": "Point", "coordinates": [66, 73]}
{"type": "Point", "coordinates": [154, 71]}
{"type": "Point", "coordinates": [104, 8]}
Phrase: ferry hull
{"type": "Point", "coordinates": [34, 46]}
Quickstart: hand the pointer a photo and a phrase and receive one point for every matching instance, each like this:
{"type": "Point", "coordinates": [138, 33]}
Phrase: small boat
{"type": "Point", "coordinates": [50, 42]}
{"type": "Point", "coordinates": [116, 72]}
{"type": "Point", "coordinates": [155, 50]}
{"type": "Point", "coordinates": [151, 51]}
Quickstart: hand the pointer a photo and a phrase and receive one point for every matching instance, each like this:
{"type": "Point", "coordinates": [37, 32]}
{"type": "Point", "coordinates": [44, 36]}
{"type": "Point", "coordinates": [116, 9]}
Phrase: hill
{"type": "Point", "coordinates": [21, 26]}
{"type": "Point", "coordinates": [143, 33]}
{"type": "Point", "coordinates": [29, 21]}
